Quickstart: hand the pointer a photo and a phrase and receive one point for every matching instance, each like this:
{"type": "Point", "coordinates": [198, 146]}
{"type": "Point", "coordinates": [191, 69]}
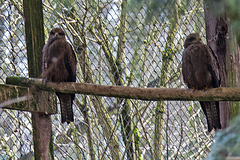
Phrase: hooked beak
{"type": "Point", "coordinates": [56, 35]}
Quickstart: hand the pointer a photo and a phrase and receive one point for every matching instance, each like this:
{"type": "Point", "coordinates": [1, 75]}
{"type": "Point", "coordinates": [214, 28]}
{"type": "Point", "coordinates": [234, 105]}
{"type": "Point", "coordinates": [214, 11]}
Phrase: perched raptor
{"type": "Point", "coordinates": [59, 65]}
{"type": "Point", "coordinates": [200, 69]}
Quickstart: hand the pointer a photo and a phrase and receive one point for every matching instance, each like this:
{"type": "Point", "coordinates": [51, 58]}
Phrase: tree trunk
{"type": "Point", "coordinates": [216, 34]}
{"type": "Point", "coordinates": [233, 67]}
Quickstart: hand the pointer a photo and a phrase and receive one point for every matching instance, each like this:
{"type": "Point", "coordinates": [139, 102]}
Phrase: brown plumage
{"type": "Point", "coordinates": [59, 65]}
{"type": "Point", "coordinates": [200, 69]}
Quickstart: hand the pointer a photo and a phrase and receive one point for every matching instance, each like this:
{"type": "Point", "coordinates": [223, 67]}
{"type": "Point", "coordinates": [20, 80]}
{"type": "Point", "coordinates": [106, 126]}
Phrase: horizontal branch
{"type": "Point", "coordinates": [153, 94]}
{"type": "Point", "coordinates": [27, 99]}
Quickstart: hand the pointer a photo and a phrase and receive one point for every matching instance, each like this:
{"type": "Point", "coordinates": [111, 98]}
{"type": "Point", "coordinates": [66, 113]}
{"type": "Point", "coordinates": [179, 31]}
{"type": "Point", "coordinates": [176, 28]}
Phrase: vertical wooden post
{"type": "Point", "coordinates": [41, 122]}
{"type": "Point", "coordinates": [233, 66]}
{"type": "Point", "coordinates": [216, 33]}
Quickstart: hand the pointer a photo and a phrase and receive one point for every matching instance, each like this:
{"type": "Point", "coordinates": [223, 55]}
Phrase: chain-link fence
{"type": "Point", "coordinates": [113, 46]}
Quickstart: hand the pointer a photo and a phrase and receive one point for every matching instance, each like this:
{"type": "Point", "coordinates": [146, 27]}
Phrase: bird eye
{"type": "Point", "coordinates": [52, 33]}
{"type": "Point", "coordinates": [191, 39]}
{"type": "Point", "coordinates": [61, 34]}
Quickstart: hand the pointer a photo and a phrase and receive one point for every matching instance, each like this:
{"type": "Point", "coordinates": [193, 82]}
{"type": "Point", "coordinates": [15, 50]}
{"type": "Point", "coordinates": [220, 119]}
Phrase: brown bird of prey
{"type": "Point", "coordinates": [59, 65]}
{"type": "Point", "coordinates": [200, 69]}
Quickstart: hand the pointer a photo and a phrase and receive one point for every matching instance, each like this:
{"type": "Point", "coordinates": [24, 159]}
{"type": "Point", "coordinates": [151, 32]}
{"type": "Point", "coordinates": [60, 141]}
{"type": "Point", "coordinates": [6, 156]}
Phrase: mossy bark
{"type": "Point", "coordinates": [41, 122]}
{"type": "Point", "coordinates": [149, 94]}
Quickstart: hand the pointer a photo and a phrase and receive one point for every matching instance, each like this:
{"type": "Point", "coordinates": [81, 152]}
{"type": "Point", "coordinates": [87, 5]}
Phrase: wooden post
{"type": "Point", "coordinates": [216, 33]}
{"type": "Point", "coordinates": [41, 122]}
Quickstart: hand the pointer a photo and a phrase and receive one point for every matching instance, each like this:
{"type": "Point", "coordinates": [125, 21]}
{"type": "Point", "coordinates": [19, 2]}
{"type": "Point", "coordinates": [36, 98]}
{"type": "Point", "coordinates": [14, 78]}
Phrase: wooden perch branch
{"type": "Point", "coordinates": [24, 98]}
{"type": "Point", "coordinates": [155, 94]}
{"type": "Point", "coordinates": [14, 96]}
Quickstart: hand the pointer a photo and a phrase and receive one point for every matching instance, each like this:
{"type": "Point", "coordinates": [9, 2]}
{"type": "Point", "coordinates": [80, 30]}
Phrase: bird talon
{"type": "Point", "coordinates": [205, 88]}
{"type": "Point", "coordinates": [194, 89]}
{"type": "Point", "coordinates": [45, 80]}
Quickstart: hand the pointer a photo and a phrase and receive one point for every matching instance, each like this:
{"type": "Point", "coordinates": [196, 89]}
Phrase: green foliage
{"type": "Point", "coordinates": [190, 109]}
{"type": "Point", "coordinates": [137, 137]}
{"type": "Point", "coordinates": [68, 4]}
{"type": "Point", "coordinates": [227, 142]}
{"type": "Point", "coordinates": [158, 8]}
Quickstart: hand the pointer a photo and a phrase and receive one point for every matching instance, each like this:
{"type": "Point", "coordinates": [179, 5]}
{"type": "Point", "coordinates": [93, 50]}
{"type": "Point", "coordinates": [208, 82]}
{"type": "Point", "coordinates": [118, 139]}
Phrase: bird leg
{"type": "Point", "coordinates": [205, 88]}
{"type": "Point", "coordinates": [45, 80]}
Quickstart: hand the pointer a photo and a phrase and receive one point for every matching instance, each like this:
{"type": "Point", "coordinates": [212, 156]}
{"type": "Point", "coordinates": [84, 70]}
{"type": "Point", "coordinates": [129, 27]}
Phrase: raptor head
{"type": "Point", "coordinates": [56, 33]}
{"type": "Point", "coordinates": [192, 38]}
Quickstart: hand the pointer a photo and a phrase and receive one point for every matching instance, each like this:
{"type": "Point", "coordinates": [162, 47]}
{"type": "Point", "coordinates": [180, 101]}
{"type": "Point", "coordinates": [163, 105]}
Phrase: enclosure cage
{"type": "Point", "coordinates": [116, 42]}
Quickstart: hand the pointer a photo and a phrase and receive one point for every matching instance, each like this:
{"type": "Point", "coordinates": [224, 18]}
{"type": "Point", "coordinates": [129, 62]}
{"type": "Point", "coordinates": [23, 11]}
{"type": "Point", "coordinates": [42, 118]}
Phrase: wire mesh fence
{"type": "Point", "coordinates": [114, 46]}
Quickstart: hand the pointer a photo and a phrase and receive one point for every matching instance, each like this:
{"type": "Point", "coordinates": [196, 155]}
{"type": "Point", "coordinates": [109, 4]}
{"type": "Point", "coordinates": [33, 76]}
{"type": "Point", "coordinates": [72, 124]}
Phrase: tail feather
{"type": "Point", "coordinates": [211, 111]}
{"type": "Point", "coordinates": [66, 101]}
